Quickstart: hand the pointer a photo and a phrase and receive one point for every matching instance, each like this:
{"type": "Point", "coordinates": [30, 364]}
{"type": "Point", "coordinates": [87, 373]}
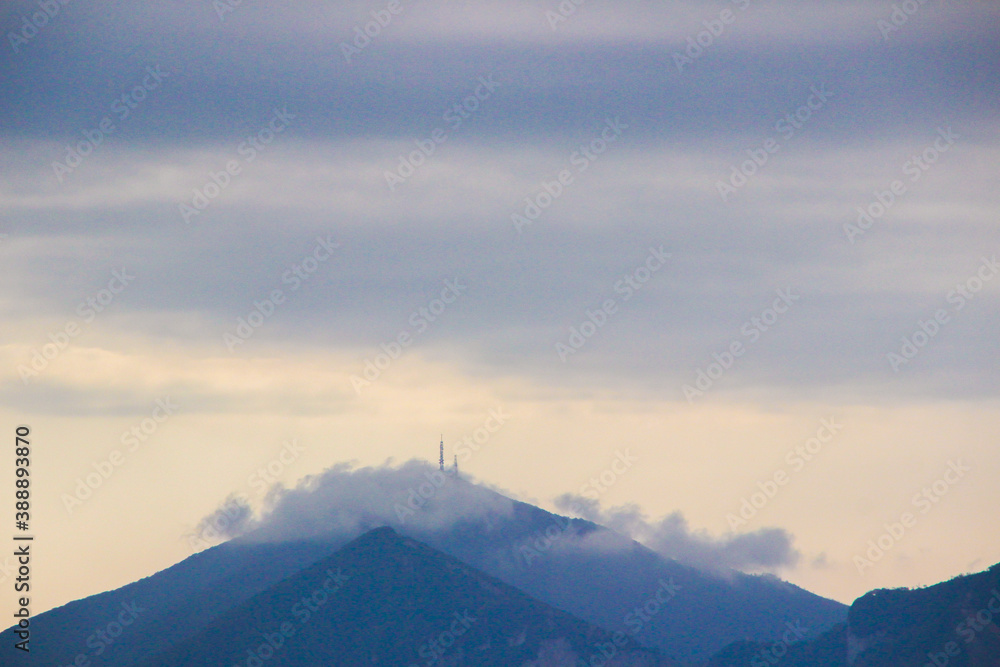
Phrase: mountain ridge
{"type": "Point", "coordinates": [948, 624]}
{"type": "Point", "coordinates": [613, 586]}
{"type": "Point", "coordinates": [398, 601]}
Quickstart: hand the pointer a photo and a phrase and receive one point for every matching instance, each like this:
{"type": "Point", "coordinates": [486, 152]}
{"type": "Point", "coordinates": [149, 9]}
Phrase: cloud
{"type": "Point", "coordinates": [672, 537]}
{"type": "Point", "coordinates": [418, 499]}
{"type": "Point", "coordinates": [343, 502]}
{"type": "Point", "coordinates": [525, 292]}
{"type": "Point", "coordinates": [225, 77]}
{"type": "Point", "coordinates": [232, 519]}
{"type": "Point", "coordinates": [452, 218]}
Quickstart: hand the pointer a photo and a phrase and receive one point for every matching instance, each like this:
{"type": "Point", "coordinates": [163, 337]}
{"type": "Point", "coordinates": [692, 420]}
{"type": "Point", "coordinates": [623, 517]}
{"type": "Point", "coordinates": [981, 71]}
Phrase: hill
{"type": "Point", "coordinates": [948, 624]}
{"type": "Point", "coordinates": [584, 569]}
{"type": "Point", "coordinates": [387, 599]}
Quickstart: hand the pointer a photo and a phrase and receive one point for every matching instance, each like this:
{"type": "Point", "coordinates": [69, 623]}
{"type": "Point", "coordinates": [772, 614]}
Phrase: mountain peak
{"type": "Point", "coordinates": [385, 598]}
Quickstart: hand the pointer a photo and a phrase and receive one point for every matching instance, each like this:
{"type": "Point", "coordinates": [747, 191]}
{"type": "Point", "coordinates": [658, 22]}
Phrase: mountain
{"type": "Point", "coordinates": [612, 581]}
{"type": "Point", "coordinates": [197, 590]}
{"type": "Point", "coordinates": [948, 624]}
{"type": "Point", "coordinates": [586, 570]}
{"type": "Point", "coordinates": [385, 599]}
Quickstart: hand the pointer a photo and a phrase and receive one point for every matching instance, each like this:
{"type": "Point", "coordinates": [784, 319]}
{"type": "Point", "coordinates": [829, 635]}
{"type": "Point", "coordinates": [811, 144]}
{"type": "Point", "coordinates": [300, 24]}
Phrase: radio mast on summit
{"type": "Point", "coordinates": [441, 454]}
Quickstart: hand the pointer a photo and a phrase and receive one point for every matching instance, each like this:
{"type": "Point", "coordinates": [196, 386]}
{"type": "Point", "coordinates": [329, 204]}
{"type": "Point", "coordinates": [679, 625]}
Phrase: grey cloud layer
{"type": "Point", "coordinates": [342, 502]}
{"type": "Point", "coordinates": [222, 77]}
{"type": "Point", "coordinates": [687, 130]}
{"type": "Point", "coordinates": [671, 537]}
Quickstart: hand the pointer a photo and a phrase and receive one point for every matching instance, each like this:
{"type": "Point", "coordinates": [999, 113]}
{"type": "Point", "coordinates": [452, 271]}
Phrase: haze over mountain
{"type": "Point", "coordinates": [414, 566]}
{"type": "Point", "coordinates": [597, 574]}
{"type": "Point", "coordinates": [603, 578]}
{"type": "Point", "coordinates": [415, 496]}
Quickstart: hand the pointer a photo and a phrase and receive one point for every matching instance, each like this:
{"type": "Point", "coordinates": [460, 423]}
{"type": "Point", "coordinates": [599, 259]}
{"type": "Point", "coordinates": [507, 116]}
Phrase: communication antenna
{"type": "Point", "coordinates": [441, 454]}
{"type": "Point", "coordinates": [455, 468]}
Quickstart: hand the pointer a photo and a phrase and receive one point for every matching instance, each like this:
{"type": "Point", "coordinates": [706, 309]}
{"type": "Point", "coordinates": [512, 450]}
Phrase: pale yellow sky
{"type": "Point", "coordinates": [700, 460]}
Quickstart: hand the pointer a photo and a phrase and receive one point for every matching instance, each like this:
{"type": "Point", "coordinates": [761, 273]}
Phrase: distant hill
{"type": "Point", "coordinates": [217, 578]}
{"type": "Point", "coordinates": [685, 613]}
{"type": "Point", "coordinates": [385, 599]}
{"type": "Point", "coordinates": [952, 624]}
{"type": "Point", "coordinates": [541, 553]}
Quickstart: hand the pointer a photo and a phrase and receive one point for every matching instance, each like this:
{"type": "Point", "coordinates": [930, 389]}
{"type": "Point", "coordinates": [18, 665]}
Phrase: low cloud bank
{"type": "Point", "coordinates": [416, 498]}
{"type": "Point", "coordinates": [672, 537]}
{"type": "Point", "coordinates": [343, 502]}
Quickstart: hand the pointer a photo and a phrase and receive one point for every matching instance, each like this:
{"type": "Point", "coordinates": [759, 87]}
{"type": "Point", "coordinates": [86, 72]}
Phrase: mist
{"type": "Point", "coordinates": [417, 499]}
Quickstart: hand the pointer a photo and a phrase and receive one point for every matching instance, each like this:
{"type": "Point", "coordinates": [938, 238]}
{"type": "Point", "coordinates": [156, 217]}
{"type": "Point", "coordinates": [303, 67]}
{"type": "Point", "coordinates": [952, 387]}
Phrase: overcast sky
{"type": "Point", "coordinates": [707, 232]}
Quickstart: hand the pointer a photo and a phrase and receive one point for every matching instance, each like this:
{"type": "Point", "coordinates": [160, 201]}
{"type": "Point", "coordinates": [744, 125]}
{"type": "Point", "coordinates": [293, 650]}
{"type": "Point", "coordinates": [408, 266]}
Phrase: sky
{"type": "Point", "coordinates": [748, 247]}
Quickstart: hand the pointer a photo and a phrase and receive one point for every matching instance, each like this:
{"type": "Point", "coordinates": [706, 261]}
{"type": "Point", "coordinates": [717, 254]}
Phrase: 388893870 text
{"type": "Point", "coordinates": [22, 539]}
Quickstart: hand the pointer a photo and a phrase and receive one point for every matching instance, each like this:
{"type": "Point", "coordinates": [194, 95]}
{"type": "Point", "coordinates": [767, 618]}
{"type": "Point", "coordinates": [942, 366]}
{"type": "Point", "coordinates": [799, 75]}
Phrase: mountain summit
{"type": "Point", "coordinates": [327, 541]}
{"type": "Point", "coordinates": [385, 599]}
